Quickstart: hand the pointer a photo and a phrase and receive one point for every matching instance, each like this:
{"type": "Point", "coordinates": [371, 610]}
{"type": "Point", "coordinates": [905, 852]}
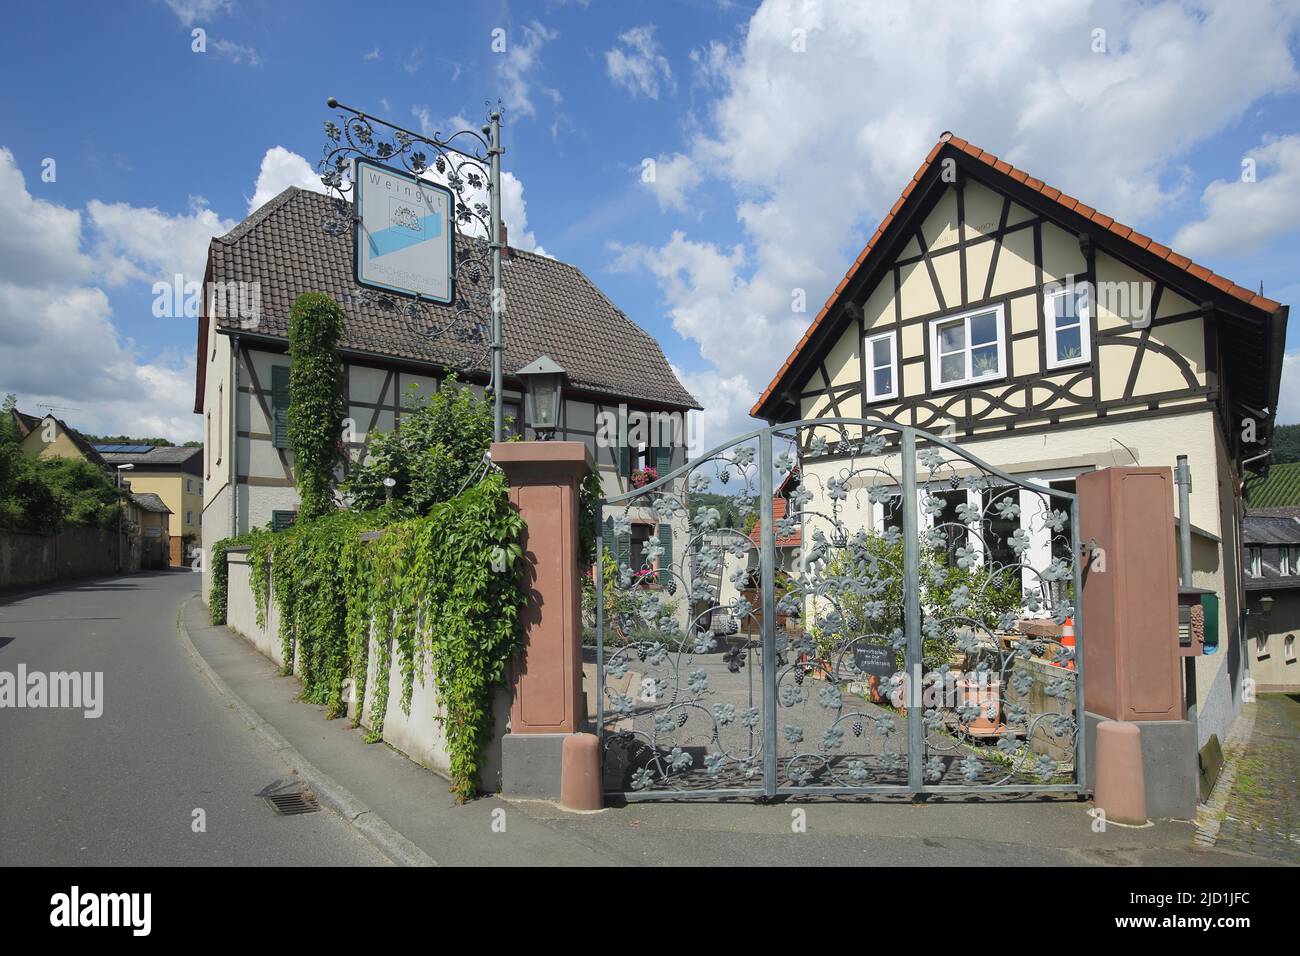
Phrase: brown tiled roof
{"type": "Point", "coordinates": [1055, 195]}
{"type": "Point", "coordinates": [552, 308]}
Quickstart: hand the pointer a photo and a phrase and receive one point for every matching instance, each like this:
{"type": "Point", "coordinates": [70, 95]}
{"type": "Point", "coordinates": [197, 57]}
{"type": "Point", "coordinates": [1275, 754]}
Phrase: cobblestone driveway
{"type": "Point", "coordinates": [1262, 813]}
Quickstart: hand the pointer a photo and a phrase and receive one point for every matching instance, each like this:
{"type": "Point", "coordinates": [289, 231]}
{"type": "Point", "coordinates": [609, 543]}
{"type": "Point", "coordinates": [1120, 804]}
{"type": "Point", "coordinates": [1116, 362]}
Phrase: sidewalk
{"type": "Point", "coordinates": [1260, 813]}
{"type": "Point", "coordinates": [416, 803]}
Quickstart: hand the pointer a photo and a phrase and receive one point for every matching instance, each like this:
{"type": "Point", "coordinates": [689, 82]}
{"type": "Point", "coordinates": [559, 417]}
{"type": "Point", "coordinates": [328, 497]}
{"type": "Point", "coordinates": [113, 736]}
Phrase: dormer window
{"type": "Point", "coordinates": [1068, 316]}
{"type": "Point", "coordinates": [967, 348]}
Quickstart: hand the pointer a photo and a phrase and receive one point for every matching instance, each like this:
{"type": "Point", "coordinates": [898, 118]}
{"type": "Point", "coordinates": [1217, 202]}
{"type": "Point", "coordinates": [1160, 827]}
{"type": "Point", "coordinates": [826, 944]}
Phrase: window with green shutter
{"type": "Point", "coordinates": [280, 406]}
{"type": "Point", "coordinates": [282, 519]}
{"type": "Point", "coordinates": [618, 545]}
{"type": "Point", "coordinates": [663, 461]}
{"type": "Point", "coordinates": [624, 462]}
{"type": "Point", "coordinates": [666, 578]}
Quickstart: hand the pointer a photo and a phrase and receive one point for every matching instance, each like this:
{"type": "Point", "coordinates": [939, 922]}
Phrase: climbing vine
{"type": "Point", "coordinates": [443, 592]}
{"type": "Point", "coordinates": [315, 416]}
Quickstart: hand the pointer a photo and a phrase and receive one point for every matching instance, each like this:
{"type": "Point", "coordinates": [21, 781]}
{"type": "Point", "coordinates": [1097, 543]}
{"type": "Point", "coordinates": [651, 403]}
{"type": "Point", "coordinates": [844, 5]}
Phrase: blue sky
{"type": "Point", "coordinates": [780, 133]}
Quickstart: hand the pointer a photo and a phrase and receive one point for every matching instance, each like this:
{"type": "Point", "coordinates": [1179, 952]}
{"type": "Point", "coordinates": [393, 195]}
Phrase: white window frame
{"type": "Point", "coordinates": [1085, 328]}
{"type": "Point", "coordinates": [1254, 561]}
{"type": "Point", "coordinates": [936, 385]}
{"type": "Point", "coordinates": [869, 356]}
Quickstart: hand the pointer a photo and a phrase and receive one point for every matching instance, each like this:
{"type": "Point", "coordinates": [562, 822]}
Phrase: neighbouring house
{"type": "Point", "coordinates": [150, 515]}
{"type": "Point", "coordinates": [173, 474]}
{"type": "Point", "coordinates": [50, 437]}
{"type": "Point", "coordinates": [553, 310]}
{"type": "Point", "coordinates": [1271, 562]}
{"type": "Point", "coordinates": [1050, 340]}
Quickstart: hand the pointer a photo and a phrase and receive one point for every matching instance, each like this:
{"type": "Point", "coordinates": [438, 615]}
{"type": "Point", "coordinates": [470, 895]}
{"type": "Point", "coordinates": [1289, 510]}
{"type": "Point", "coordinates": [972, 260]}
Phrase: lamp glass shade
{"type": "Point", "coordinates": [544, 401]}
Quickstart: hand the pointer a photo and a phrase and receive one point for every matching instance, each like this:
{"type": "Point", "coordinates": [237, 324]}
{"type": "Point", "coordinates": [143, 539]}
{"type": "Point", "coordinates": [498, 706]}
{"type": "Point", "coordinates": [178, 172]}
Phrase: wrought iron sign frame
{"type": "Point", "coordinates": [468, 161]}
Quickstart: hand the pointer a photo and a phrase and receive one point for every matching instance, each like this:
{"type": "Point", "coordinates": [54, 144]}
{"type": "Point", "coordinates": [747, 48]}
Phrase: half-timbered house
{"type": "Point", "coordinates": [1050, 340]}
{"type": "Point", "coordinates": [616, 373]}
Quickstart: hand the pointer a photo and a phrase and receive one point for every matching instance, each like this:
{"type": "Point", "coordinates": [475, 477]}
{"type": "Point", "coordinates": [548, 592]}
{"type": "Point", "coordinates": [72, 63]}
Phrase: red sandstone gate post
{"type": "Point", "coordinates": [547, 711]}
{"type": "Point", "coordinates": [1132, 664]}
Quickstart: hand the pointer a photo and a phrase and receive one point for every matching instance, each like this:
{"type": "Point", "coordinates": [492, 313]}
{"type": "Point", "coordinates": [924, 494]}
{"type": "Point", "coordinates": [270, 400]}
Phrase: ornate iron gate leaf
{"type": "Point", "coordinates": [838, 606]}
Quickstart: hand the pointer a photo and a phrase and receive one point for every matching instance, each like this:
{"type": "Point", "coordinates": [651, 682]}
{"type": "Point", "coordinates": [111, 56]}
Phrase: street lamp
{"type": "Point", "coordinates": [1266, 604]}
{"type": "Point", "coordinates": [543, 382]}
{"type": "Point", "coordinates": [118, 476]}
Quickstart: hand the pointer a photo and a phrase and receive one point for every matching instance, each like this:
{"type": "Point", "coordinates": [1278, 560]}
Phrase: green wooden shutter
{"type": "Point", "coordinates": [663, 460]}
{"type": "Point", "coordinates": [624, 461]}
{"type": "Point", "coordinates": [667, 579]}
{"type": "Point", "coordinates": [607, 533]}
{"type": "Point", "coordinates": [624, 544]}
{"type": "Point", "coordinates": [280, 406]}
{"type": "Point", "coordinates": [282, 519]}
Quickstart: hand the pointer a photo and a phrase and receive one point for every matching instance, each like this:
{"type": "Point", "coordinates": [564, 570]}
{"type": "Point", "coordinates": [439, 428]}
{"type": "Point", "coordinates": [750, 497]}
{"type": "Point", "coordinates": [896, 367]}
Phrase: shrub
{"type": "Point", "coordinates": [432, 457]}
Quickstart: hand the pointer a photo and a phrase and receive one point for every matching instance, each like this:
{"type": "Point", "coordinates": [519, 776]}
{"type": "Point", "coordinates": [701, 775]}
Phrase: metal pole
{"type": "Point", "coordinates": [912, 611]}
{"type": "Point", "coordinates": [498, 296]}
{"type": "Point", "coordinates": [599, 574]}
{"type": "Point", "coordinates": [1080, 641]}
{"type": "Point", "coordinates": [1183, 478]}
{"type": "Point", "coordinates": [767, 553]}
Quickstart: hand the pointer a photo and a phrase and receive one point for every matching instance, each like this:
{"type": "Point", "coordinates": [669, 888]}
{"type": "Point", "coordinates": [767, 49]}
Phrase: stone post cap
{"type": "Point", "coordinates": [514, 457]}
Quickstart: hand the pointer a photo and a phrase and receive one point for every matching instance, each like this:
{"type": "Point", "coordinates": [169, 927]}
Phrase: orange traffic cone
{"type": "Point", "coordinates": [1067, 638]}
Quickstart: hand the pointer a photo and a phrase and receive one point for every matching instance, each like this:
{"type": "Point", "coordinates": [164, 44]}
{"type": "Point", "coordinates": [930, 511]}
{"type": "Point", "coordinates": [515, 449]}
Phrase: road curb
{"type": "Point", "coordinates": [329, 792]}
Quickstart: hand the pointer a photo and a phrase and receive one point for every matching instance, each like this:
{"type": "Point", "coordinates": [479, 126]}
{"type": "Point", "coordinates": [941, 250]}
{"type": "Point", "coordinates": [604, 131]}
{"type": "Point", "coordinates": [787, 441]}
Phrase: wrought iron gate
{"type": "Point", "coordinates": [838, 606]}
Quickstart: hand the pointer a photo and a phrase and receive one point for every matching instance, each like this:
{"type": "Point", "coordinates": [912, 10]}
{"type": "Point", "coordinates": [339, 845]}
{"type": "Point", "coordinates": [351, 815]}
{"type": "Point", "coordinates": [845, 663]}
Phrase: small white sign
{"type": "Point", "coordinates": [404, 233]}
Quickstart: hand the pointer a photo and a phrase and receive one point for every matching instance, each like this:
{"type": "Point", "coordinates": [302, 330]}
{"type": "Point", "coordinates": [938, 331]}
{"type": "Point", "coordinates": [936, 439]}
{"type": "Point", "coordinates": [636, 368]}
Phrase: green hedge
{"type": "Point", "coordinates": [444, 591]}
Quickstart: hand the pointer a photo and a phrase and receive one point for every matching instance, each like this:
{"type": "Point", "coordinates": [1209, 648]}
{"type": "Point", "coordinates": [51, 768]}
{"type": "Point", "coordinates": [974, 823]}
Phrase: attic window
{"type": "Point", "coordinates": [882, 367]}
{"type": "Point", "coordinates": [1068, 315]}
{"type": "Point", "coordinates": [1254, 562]}
{"type": "Point", "coordinates": [967, 348]}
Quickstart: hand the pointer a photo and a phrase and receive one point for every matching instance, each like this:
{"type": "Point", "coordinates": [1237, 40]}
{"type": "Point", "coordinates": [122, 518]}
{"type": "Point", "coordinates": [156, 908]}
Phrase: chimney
{"type": "Point", "coordinates": [505, 242]}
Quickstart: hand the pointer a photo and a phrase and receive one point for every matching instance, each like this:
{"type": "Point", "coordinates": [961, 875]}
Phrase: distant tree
{"type": "Point", "coordinates": [1286, 444]}
{"type": "Point", "coordinates": [127, 440]}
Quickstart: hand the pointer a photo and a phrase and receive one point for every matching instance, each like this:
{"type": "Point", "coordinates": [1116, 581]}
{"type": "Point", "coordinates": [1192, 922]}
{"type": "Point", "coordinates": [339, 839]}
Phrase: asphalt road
{"type": "Point", "coordinates": [124, 788]}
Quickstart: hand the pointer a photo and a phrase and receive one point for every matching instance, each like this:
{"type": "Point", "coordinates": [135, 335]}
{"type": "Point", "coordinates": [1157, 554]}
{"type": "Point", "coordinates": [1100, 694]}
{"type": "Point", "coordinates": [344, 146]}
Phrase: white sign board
{"type": "Point", "coordinates": [404, 233]}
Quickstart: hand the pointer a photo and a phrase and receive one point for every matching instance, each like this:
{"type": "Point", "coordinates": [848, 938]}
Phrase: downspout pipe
{"type": "Point", "coordinates": [233, 447]}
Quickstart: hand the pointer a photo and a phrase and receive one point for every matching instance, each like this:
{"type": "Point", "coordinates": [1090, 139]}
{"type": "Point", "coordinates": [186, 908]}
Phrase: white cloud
{"type": "Point", "coordinates": [191, 11]}
{"type": "Point", "coordinates": [514, 212]}
{"type": "Point", "coordinates": [42, 243]}
{"type": "Point", "coordinates": [637, 65]}
{"type": "Point", "coordinates": [282, 168]}
{"type": "Point", "coordinates": [372, 55]}
{"type": "Point", "coordinates": [1288, 404]}
{"type": "Point", "coordinates": [58, 344]}
{"type": "Point", "coordinates": [1242, 216]}
{"type": "Point", "coordinates": [818, 144]}
{"type": "Point", "coordinates": [150, 245]}
{"type": "Point", "coordinates": [236, 53]}
{"type": "Point", "coordinates": [675, 176]}
{"type": "Point", "coordinates": [519, 62]}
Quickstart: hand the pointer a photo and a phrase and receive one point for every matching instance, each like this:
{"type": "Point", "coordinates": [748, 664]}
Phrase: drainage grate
{"type": "Point", "coordinates": [291, 804]}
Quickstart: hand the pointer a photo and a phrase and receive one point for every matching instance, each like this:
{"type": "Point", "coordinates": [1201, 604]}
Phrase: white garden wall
{"type": "Point", "coordinates": [418, 734]}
